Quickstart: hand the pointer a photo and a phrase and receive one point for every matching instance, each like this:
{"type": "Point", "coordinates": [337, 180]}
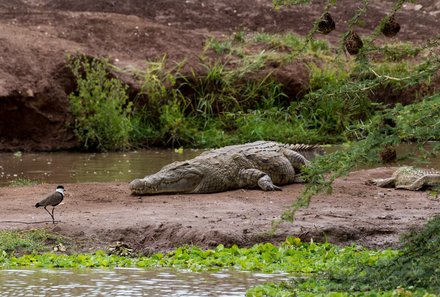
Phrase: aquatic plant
{"type": "Point", "coordinates": [309, 260]}
{"type": "Point", "coordinates": [316, 268]}
{"type": "Point", "coordinates": [292, 256]}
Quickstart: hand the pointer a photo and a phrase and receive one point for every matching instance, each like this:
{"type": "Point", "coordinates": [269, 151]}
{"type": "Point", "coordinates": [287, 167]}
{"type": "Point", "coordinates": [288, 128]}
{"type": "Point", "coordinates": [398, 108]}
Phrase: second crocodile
{"type": "Point", "coordinates": [263, 164]}
{"type": "Point", "coordinates": [410, 178]}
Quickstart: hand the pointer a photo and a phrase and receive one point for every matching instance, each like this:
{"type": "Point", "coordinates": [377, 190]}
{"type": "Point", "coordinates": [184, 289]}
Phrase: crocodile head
{"type": "Point", "coordinates": [179, 178]}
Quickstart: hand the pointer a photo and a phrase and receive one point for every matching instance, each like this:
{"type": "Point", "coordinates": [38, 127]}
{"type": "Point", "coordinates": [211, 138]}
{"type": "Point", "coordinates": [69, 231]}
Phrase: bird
{"type": "Point", "coordinates": [53, 200]}
{"type": "Point", "coordinates": [326, 24]}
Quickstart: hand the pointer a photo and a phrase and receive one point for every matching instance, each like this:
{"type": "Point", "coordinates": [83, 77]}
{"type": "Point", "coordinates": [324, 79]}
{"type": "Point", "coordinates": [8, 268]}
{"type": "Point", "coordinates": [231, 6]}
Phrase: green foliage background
{"type": "Point", "coordinates": [100, 106]}
{"type": "Point", "coordinates": [224, 106]}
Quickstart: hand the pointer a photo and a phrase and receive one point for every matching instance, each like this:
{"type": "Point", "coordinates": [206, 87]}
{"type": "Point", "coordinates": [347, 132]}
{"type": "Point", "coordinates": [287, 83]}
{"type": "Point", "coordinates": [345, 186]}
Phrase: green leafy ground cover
{"type": "Point", "coordinates": [293, 256]}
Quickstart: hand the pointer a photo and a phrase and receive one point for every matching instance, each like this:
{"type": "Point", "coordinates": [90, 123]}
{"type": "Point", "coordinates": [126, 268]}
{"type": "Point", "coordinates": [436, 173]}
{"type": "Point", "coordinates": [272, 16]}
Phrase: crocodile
{"type": "Point", "coordinates": [263, 164]}
{"type": "Point", "coordinates": [410, 178]}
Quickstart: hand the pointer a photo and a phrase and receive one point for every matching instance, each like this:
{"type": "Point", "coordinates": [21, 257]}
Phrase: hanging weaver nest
{"type": "Point", "coordinates": [353, 43]}
{"type": "Point", "coordinates": [388, 154]}
{"type": "Point", "coordinates": [391, 27]}
{"type": "Point", "coordinates": [326, 24]}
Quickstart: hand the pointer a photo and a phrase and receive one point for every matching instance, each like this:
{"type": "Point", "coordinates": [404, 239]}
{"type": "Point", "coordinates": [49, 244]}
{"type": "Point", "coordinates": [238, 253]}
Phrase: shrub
{"type": "Point", "coordinates": [99, 106]}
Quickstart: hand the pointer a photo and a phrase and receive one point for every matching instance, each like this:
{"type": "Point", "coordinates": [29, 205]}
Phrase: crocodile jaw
{"type": "Point", "coordinates": [161, 183]}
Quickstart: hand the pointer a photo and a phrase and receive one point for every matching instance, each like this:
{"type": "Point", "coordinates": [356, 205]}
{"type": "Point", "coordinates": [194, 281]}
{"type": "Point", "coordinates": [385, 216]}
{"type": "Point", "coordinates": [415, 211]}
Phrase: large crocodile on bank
{"type": "Point", "coordinates": [263, 164]}
{"type": "Point", "coordinates": [410, 178]}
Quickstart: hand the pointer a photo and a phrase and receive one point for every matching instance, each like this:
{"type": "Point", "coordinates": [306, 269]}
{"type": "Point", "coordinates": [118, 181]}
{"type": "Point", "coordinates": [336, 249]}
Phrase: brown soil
{"type": "Point", "coordinates": [96, 215]}
{"type": "Point", "coordinates": [36, 35]}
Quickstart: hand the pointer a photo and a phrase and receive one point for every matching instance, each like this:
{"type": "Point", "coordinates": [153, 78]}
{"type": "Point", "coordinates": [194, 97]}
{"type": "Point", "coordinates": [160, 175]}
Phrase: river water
{"type": "Point", "coordinates": [70, 167]}
{"type": "Point", "coordinates": [128, 282]}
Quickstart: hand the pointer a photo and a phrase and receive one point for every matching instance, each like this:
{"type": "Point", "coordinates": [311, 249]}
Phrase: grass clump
{"type": "Point", "coordinates": [14, 242]}
{"type": "Point", "coordinates": [100, 106]}
{"type": "Point", "coordinates": [22, 181]}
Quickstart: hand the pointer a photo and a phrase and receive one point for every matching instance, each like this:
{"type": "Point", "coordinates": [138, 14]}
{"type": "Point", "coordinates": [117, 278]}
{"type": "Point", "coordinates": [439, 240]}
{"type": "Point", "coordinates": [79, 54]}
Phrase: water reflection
{"type": "Point", "coordinates": [128, 282]}
{"type": "Point", "coordinates": [67, 167]}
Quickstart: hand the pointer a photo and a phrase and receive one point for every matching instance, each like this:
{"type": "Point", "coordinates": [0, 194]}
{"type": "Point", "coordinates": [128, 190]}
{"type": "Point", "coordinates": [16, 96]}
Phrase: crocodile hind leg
{"type": "Point", "coordinates": [252, 178]}
{"type": "Point", "coordinates": [296, 159]}
{"type": "Point", "coordinates": [426, 180]}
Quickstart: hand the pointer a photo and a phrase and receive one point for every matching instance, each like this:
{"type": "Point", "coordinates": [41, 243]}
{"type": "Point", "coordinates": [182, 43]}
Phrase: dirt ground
{"type": "Point", "coordinates": [96, 215]}
{"type": "Point", "coordinates": [36, 36]}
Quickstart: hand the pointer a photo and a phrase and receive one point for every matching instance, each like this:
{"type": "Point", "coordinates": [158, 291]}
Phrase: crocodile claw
{"type": "Point", "coordinates": [276, 188]}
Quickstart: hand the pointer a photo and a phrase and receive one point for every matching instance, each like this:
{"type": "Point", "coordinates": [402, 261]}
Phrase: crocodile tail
{"type": "Point", "coordinates": [309, 151]}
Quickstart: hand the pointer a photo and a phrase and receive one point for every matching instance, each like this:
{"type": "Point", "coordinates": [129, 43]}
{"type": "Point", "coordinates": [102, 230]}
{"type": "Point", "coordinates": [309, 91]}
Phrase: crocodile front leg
{"type": "Point", "coordinates": [251, 178]}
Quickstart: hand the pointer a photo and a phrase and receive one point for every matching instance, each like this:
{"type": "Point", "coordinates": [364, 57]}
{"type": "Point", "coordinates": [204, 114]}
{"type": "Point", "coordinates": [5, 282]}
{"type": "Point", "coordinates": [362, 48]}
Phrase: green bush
{"type": "Point", "coordinates": [100, 106]}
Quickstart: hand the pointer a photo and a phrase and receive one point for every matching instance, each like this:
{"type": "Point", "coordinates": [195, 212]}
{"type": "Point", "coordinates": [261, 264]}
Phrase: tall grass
{"type": "Point", "coordinates": [235, 99]}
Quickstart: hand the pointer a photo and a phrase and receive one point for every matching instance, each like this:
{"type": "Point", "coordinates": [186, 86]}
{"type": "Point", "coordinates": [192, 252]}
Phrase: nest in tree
{"type": "Point", "coordinates": [391, 27]}
{"type": "Point", "coordinates": [326, 24]}
{"type": "Point", "coordinates": [353, 43]}
{"type": "Point", "coordinates": [389, 154]}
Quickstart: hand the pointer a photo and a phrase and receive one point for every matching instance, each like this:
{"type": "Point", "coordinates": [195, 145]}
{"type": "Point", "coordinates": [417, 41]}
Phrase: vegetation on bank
{"type": "Point", "coordinates": [374, 142]}
{"type": "Point", "coordinates": [316, 268]}
{"type": "Point", "coordinates": [13, 242]}
{"type": "Point", "coordinates": [22, 181]}
{"type": "Point", "coordinates": [237, 99]}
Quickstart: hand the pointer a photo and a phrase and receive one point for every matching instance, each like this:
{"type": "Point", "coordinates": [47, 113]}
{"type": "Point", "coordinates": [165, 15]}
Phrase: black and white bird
{"type": "Point", "coordinates": [53, 200]}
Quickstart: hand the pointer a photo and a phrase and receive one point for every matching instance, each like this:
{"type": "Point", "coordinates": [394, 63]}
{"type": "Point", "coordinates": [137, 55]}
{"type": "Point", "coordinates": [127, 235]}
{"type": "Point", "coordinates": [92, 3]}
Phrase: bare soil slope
{"type": "Point", "coordinates": [95, 215]}
{"type": "Point", "coordinates": [36, 35]}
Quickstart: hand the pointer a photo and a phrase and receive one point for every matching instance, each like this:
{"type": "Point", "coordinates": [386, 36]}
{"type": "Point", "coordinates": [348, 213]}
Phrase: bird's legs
{"type": "Point", "coordinates": [53, 218]}
{"type": "Point", "coordinates": [51, 214]}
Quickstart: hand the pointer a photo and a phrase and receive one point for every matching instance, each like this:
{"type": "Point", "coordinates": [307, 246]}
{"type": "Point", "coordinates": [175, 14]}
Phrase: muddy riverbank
{"type": "Point", "coordinates": [94, 215]}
